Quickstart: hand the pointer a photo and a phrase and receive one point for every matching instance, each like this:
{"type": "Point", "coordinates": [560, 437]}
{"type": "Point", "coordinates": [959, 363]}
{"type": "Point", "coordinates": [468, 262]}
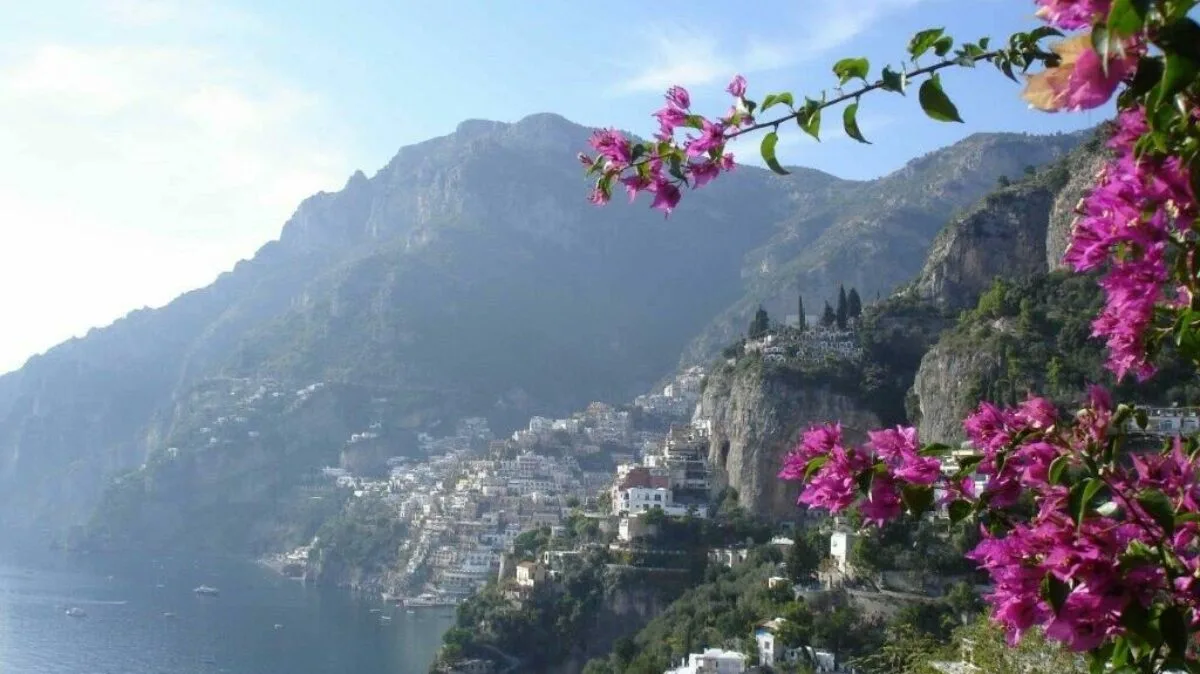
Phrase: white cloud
{"type": "Point", "coordinates": [692, 56]}
{"type": "Point", "coordinates": [130, 174]}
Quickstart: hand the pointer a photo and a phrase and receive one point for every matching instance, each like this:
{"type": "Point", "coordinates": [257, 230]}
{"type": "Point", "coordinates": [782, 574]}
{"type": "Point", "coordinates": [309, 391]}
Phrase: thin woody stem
{"type": "Point", "coordinates": [860, 91]}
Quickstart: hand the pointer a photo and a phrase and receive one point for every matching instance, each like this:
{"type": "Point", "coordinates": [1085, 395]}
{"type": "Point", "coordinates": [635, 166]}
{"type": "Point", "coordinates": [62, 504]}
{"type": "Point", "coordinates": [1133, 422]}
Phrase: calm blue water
{"type": "Point", "coordinates": [125, 632]}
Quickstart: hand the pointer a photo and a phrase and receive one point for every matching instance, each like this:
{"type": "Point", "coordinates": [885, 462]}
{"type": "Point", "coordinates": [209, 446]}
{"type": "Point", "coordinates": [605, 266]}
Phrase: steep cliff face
{"type": "Point", "coordinates": [946, 388]}
{"type": "Point", "coordinates": [758, 413]}
{"type": "Point", "coordinates": [1015, 232]}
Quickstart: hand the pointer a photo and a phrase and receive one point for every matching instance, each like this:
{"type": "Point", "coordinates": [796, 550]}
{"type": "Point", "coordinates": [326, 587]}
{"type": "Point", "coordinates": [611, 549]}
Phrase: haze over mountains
{"type": "Point", "coordinates": [470, 276]}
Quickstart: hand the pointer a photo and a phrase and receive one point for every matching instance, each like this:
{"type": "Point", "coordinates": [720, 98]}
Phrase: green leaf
{"type": "Point", "coordinates": [1080, 497]}
{"type": "Point", "coordinates": [768, 153]}
{"type": "Point", "coordinates": [917, 499]}
{"type": "Point", "coordinates": [983, 42]}
{"type": "Point", "coordinates": [1120, 653]}
{"type": "Point", "coordinates": [967, 464]}
{"type": "Point", "coordinates": [1174, 628]}
{"type": "Point", "coordinates": [1042, 32]}
{"type": "Point", "coordinates": [1055, 591]}
{"type": "Point", "coordinates": [1103, 44]}
{"type": "Point", "coordinates": [850, 124]}
{"type": "Point", "coordinates": [849, 68]}
{"type": "Point", "coordinates": [935, 102]}
{"type": "Point", "coordinates": [1181, 36]}
{"type": "Point", "coordinates": [1140, 417]}
{"type": "Point", "coordinates": [1137, 620]}
{"type": "Point", "coordinates": [1057, 467]}
{"type": "Point", "coordinates": [1159, 507]}
{"type": "Point", "coordinates": [771, 99]}
{"type": "Point", "coordinates": [922, 41]}
{"type": "Point", "coordinates": [1127, 17]}
{"type": "Point", "coordinates": [814, 464]}
{"type": "Point", "coordinates": [893, 81]}
{"type": "Point", "coordinates": [636, 151]}
{"type": "Point", "coordinates": [675, 168]}
{"type": "Point", "coordinates": [943, 45]}
{"type": "Point", "coordinates": [864, 481]}
{"type": "Point", "coordinates": [810, 119]}
{"type": "Point", "coordinates": [1178, 72]}
{"type": "Point", "coordinates": [959, 510]}
{"type": "Point", "coordinates": [934, 449]}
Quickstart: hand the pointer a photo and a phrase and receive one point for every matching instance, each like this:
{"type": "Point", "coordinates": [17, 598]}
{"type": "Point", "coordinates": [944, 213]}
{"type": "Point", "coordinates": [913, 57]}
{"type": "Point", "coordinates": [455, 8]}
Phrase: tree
{"type": "Point", "coordinates": [760, 324]}
{"type": "Point", "coordinates": [1003, 181]}
{"type": "Point", "coordinates": [802, 560]}
{"type": "Point", "coordinates": [843, 310]}
{"type": "Point", "coordinates": [828, 318]}
{"type": "Point", "coordinates": [802, 322]}
{"type": "Point", "coordinates": [854, 303]}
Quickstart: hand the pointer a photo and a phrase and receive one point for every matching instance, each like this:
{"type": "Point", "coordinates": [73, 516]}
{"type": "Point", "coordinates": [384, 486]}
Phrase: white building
{"type": "Point", "coordinates": [839, 549]}
{"type": "Point", "coordinates": [712, 661]}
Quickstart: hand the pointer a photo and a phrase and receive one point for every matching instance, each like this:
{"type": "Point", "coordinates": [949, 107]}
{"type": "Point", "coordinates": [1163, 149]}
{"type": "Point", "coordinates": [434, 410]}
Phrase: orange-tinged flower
{"type": "Point", "coordinates": [1048, 89]}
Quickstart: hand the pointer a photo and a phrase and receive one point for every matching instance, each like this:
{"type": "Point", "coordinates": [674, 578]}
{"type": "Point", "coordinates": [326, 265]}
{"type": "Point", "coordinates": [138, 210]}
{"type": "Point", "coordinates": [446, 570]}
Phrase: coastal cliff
{"type": "Point", "coordinates": [758, 412]}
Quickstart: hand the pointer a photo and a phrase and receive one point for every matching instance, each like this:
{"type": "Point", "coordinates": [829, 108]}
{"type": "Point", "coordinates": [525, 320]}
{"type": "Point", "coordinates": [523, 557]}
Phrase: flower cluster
{"type": "Point", "coordinates": [891, 459]}
{"type": "Point", "coordinates": [664, 166]}
{"type": "Point", "coordinates": [1127, 223]}
{"type": "Point", "coordinates": [1074, 540]}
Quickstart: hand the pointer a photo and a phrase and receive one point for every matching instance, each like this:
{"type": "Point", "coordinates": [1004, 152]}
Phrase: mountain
{"type": "Point", "coordinates": [872, 235]}
{"type": "Point", "coordinates": [467, 277]}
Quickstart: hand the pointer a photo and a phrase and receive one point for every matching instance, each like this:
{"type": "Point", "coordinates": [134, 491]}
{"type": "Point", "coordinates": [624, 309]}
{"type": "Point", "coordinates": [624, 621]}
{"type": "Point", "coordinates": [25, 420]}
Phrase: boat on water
{"type": "Point", "coordinates": [385, 618]}
{"type": "Point", "coordinates": [168, 615]}
{"type": "Point", "coordinates": [206, 591]}
{"type": "Point", "coordinates": [76, 612]}
{"type": "Point", "coordinates": [429, 600]}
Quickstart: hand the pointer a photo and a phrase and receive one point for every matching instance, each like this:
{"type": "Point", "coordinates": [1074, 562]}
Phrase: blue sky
{"type": "Point", "coordinates": [146, 145]}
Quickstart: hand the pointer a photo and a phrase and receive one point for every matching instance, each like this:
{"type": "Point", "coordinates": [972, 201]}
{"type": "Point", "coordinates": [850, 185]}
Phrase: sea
{"type": "Point", "coordinates": [142, 617]}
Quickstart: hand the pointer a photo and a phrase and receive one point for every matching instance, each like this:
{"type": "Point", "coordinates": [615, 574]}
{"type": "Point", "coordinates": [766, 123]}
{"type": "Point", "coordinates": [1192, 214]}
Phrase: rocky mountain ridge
{"type": "Point", "coordinates": [451, 284]}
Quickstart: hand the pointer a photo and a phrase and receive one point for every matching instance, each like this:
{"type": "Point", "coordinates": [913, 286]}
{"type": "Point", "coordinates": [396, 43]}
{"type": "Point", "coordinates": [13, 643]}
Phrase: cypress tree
{"type": "Point", "coordinates": [828, 317]}
{"type": "Point", "coordinates": [802, 322]}
{"type": "Point", "coordinates": [854, 303]}
{"type": "Point", "coordinates": [760, 324]}
{"type": "Point", "coordinates": [843, 311]}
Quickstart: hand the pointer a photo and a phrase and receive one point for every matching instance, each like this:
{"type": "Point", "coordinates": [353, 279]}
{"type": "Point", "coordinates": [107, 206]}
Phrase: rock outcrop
{"type": "Point", "coordinates": [1015, 232]}
{"type": "Point", "coordinates": [1019, 232]}
{"type": "Point", "coordinates": [758, 413]}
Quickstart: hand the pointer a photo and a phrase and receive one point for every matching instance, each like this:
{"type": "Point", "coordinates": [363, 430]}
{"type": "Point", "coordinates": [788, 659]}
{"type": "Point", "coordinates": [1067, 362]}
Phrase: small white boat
{"type": "Point", "coordinates": [205, 590]}
{"type": "Point", "coordinates": [278, 626]}
{"type": "Point", "coordinates": [169, 615]}
{"type": "Point", "coordinates": [385, 618]}
{"type": "Point", "coordinates": [76, 612]}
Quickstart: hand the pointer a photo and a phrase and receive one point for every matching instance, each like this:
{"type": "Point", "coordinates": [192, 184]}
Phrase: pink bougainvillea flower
{"type": "Point", "coordinates": [1072, 14]}
{"type": "Point", "coordinates": [737, 86]}
{"type": "Point", "coordinates": [666, 196]}
{"type": "Point", "coordinates": [678, 98]}
{"type": "Point", "coordinates": [1080, 81]}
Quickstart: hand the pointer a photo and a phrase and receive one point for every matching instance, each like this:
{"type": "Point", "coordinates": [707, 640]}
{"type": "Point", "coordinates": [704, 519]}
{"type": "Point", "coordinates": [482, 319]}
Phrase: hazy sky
{"type": "Point", "coordinates": [146, 146]}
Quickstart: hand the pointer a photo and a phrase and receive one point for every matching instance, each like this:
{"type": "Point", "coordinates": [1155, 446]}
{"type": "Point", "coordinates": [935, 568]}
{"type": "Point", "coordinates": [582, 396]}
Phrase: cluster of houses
{"type": "Point", "coordinates": [599, 424]}
{"type": "Point", "coordinates": [811, 346]}
{"type": "Point", "coordinates": [464, 505]}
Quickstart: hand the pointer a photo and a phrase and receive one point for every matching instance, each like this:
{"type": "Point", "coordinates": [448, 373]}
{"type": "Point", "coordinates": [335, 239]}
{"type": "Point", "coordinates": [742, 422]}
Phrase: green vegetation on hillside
{"type": "Point", "coordinates": [1039, 331]}
{"type": "Point", "coordinates": [366, 534]}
